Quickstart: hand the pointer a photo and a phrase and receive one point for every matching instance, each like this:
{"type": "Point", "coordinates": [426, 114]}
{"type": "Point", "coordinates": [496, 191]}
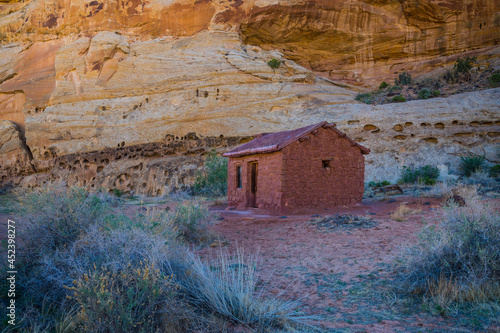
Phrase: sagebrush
{"type": "Point", "coordinates": [85, 266]}
{"type": "Point", "coordinates": [457, 260]}
{"type": "Point", "coordinates": [213, 179]}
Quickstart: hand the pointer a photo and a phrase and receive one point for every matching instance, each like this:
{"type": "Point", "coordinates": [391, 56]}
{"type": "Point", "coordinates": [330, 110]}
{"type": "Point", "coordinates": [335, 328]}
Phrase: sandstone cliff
{"type": "Point", "coordinates": [129, 94]}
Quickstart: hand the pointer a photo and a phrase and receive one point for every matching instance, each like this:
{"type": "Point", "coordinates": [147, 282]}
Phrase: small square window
{"type": "Point", "coordinates": [326, 163]}
{"type": "Point", "coordinates": [238, 177]}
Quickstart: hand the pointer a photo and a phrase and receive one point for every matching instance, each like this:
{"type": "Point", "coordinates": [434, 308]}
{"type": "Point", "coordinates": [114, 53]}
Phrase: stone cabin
{"type": "Point", "coordinates": [316, 166]}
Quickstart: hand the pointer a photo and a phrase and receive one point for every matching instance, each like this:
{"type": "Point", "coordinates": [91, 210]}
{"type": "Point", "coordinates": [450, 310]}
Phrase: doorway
{"type": "Point", "coordinates": [253, 184]}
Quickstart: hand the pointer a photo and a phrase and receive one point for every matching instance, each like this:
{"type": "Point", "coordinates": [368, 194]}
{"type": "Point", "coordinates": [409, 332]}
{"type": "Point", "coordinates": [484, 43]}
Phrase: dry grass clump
{"type": "Point", "coordinates": [228, 288]}
{"type": "Point", "coordinates": [343, 221]}
{"type": "Point", "coordinates": [457, 261]}
{"type": "Point", "coordinates": [194, 221]}
{"type": "Point", "coordinates": [402, 212]}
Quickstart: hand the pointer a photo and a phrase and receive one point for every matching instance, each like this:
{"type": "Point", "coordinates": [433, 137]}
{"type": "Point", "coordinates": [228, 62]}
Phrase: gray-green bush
{"type": "Point", "coordinates": [213, 179]}
{"type": "Point", "coordinates": [193, 222]}
{"type": "Point", "coordinates": [365, 98]}
{"type": "Point", "coordinates": [94, 269]}
{"type": "Point", "coordinates": [404, 78]}
{"type": "Point", "coordinates": [459, 259]}
{"type": "Point", "coordinates": [426, 174]}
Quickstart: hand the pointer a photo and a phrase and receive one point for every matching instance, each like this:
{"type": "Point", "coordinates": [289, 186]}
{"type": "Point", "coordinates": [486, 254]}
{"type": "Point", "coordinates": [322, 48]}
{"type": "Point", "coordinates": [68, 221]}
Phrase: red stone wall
{"type": "Point", "coordinates": [269, 193]}
{"type": "Point", "coordinates": [307, 184]}
{"type": "Point", "coordinates": [295, 178]}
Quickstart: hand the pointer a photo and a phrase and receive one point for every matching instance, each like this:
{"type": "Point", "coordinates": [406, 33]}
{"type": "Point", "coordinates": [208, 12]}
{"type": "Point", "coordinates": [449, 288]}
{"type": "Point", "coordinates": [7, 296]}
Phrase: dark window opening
{"type": "Point", "coordinates": [238, 177]}
{"type": "Point", "coordinates": [326, 164]}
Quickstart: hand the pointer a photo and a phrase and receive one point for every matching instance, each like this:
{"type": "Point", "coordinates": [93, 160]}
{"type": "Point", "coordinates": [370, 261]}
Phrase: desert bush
{"type": "Point", "coordinates": [54, 217]}
{"type": "Point", "coordinates": [464, 65]}
{"type": "Point", "coordinates": [193, 221]}
{"type": "Point", "coordinates": [495, 171]}
{"type": "Point", "coordinates": [213, 179]}
{"type": "Point", "coordinates": [130, 300]}
{"type": "Point", "coordinates": [494, 79]}
{"type": "Point", "coordinates": [365, 98]}
{"type": "Point", "coordinates": [424, 93]}
{"type": "Point", "coordinates": [394, 88]}
{"type": "Point", "coordinates": [461, 68]}
{"type": "Point", "coordinates": [68, 232]}
{"type": "Point", "coordinates": [383, 85]}
{"type": "Point", "coordinates": [404, 78]}
{"type": "Point", "coordinates": [435, 93]}
{"type": "Point", "coordinates": [229, 288]}
{"type": "Point", "coordinates": [274, 63]}
{"type": "Point", "coordinates": [459, 259]}
{"type": "Point", "coordinates": [451, 76]}
{"type": "Point", "coordinates": [426, 174]}
{"type": "Point", "coordinates": [480, 177]}
{"type": "Point", "coordinates": [379, 184]}
{"type": "Point", "coordinates": [471, 164]}
{"type": "Point", "coordinates": [398, 99]}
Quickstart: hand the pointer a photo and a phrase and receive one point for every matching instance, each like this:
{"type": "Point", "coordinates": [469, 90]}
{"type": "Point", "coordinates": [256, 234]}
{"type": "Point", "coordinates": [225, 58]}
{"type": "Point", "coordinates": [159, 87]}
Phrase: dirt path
{"type": "Point", "coordinates": [344, 276]}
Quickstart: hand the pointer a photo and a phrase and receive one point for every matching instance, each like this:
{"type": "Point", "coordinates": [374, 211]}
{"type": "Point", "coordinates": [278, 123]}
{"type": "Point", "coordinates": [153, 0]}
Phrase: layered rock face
{"type": "Point", "coordinates": [130, 94]}
{"type": "Point", "coordinates": [362, 41]}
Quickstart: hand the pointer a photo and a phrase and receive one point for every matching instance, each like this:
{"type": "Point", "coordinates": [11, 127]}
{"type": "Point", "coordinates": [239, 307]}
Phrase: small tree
{"type": "Point", "coordinates": [213, 179]}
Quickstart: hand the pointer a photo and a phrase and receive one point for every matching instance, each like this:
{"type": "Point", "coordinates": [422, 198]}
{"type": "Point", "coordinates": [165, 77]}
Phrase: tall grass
{"type": "Point", "coordinates": [194, 221]}
{"type": "Point", "coordinates": [227, 287]}
{"type": "Point", "coordinates": [457, 261]}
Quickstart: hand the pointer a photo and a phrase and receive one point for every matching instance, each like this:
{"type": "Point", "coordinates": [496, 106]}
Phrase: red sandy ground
{"type": "Point", "coordinates": [328, 271]}
{"type": "Point", "coordinates": [343, 276]}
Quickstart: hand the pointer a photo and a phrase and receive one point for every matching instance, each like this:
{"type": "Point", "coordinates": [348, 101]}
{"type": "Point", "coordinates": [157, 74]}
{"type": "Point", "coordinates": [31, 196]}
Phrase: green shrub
{"type": "Point", "coordinates": [365, 98]}
{"type": "Point", "coordinates": [213, 179]}
{"type": "Point", "coordinates": [55, 217]}
{"type": "Point", "coordinates": [274, 63]}
{"type": "Point", "coordinates": [494, 79]}
{"type": "Point", "coordinates": [464, 65]}
{"type": "Point", "coordinates": [403, 79]}
{"type": "Point", "coordinates": [383, 85]}
{"type": "Point", "coordinates": [435, 93]}
{"type": "Point", "coordinates": [424, 93]}
{"type": "Point", "coordinates": [66, 233]}
{"type": "Point", "coordinates": [130, 300]}
{"type": "Point", "coordinates": [459, 259]}
{"type": "Point", "coordinates": [495, 171]}
{"type": "Point", "coordinates": [398, 99]}
{"type": "Point", "coordinates": [193, 221]}
{"type": "Point", "coordinates": [460, 68]}
{"type": "Point", "coordinates": [471, 164]}
{"type": "Point", "coordinates": [395, 88]}
{"type": "Point", "coordinates": [427, 175]}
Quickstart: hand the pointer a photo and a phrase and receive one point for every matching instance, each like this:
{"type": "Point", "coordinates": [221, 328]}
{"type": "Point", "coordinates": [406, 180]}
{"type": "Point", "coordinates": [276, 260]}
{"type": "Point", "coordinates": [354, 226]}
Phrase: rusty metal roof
{"type": "Point", "coordinates": [272, 142]}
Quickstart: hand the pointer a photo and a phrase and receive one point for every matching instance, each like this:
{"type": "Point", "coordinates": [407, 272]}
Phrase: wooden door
{"type": "Point", "coordinates": [253, 184]}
